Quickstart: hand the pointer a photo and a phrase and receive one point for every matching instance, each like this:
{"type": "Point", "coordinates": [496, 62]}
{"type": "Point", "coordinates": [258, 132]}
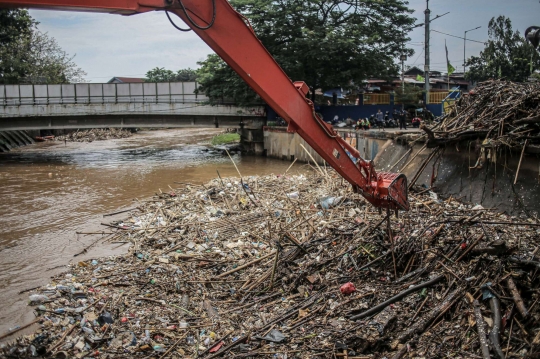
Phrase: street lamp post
{"type": "Point", "coordinates": [427, 13]}
{"type": "Point", "coordinates": [464, 42]}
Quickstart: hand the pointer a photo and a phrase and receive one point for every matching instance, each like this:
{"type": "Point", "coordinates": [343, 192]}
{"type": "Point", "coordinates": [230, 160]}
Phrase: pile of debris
{"type": "Point", "coordinates": [501, 113]}
{"type": "Point", "coordinates": [297, 266]}
{"type": "Point", "coordinates": [95, 134]}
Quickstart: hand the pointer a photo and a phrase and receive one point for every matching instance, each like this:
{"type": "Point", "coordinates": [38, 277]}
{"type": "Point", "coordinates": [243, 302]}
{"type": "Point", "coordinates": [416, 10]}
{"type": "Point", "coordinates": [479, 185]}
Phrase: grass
{"type": "Point", "coordinates": [225, 138]}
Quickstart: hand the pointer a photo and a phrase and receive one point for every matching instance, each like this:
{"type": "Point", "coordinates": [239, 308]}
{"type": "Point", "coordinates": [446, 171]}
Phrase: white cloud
{"type": "Point", "coordinates": [111, 45]}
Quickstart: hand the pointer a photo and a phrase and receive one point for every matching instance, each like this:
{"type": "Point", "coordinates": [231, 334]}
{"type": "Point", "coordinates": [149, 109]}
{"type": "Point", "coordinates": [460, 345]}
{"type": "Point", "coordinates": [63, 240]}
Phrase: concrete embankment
{"type": "Point", "coordinates": [457, 170]}
{"type": "Point", "coordinates": [14, 139]}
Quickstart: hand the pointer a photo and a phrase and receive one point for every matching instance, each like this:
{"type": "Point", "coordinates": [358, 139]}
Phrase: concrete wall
{"type": "Point", "coordinates": [280, 144]}
{"type": "Point", "coordinates": [14, 139]}
{"type": "Point", "coordinates": [490, 185]}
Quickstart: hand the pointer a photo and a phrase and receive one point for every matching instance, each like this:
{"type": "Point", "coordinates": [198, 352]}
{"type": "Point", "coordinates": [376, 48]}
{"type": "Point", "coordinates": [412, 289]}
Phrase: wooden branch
{"type": "Point", "coordinates": [527, 120]}
{"type": "Point", "coordinates": [481, 327]}
{"type": "Point", "coordinates": [420, 326]}
{"type": "Point", "coordinates": [395, 298]}
{"type": "Point", "coordinates": [517, 298]}
{"type": "Point", "coordinates": [494, 334]}
{"type": "Point", "coordinates": [245, 265]}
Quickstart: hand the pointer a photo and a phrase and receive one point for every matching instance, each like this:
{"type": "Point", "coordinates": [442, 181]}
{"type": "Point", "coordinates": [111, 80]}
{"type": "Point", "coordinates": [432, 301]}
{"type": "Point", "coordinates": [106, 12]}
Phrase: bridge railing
{"type": "Point", "coordinates": [90, 93]}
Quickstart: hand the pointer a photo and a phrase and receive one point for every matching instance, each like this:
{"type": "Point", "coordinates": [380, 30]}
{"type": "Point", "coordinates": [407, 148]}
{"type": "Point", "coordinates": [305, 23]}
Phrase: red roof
{"type": "Point", "coordinates": [127, 79]}
{"type": "Point", "coordinates": [375, 81]}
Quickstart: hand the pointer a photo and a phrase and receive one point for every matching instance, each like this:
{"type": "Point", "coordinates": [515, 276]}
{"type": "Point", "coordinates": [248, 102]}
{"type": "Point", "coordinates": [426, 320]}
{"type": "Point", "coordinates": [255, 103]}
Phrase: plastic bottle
{"type": "Point", "coordinates": [37, 298]}
{"type": "Point", "coordinates": [159, 348]}
{"type": "Point", "coordinates": [293, 195]}
{"type": "Point", "coordinates": [88, 330]}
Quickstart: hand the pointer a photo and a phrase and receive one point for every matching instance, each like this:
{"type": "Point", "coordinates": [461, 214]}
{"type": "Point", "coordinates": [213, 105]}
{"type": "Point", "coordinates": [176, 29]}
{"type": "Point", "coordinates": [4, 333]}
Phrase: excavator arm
{"type": "Point", "coordinates": [230, 35]}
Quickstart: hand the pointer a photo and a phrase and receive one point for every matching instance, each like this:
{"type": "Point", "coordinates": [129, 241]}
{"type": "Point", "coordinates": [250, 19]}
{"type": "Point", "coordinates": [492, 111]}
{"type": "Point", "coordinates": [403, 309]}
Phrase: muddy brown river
{"type": "Point", "coordinates": [50, 191]}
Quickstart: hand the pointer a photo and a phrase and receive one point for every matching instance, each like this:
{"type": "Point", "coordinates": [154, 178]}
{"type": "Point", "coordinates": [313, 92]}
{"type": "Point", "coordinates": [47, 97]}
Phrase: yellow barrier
{"type": "Point", "coordinates": [448, 106]}
{"type": "Point", "coordinates": [437, 97]}
{"type": "Point", "coordinates": [377, 99]}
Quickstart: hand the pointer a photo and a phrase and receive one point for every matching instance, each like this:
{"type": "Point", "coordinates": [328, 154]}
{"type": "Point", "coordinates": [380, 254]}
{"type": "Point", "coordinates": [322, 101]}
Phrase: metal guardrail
{"type": "Point", "coordinates": [165, 92]}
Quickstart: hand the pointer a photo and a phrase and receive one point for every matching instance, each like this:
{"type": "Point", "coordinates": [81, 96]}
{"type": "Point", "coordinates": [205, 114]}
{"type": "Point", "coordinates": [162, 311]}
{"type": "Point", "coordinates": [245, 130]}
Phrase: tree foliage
{"type": "Point", "coordinates": [14, 23]}
{"type": "Point", "coordinates": [222, 85]}
{"type": "Point", "coordinates": [30, 56]}
{"type": "Point", "coordinates": [159, 74]}
{"type": "Point", "coordinates": [327, 43]}
{"type": "Point", "coordinates": [408, 95]}
{"type": "Point", "coordinates": [506, 55]}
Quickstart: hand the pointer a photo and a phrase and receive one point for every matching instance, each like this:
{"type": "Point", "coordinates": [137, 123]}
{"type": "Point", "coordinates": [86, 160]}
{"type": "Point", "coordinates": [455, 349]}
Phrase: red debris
{"type": "Point", "coordinates": [216, 347]}
{"type": "Point", "coordinates": [347, 288]}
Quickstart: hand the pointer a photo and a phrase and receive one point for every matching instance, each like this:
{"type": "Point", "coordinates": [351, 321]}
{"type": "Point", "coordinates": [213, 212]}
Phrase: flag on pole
{"type": "Point", "coordinates": [449, 67]}
{"type": "Point", "coordinates": [420, 78]}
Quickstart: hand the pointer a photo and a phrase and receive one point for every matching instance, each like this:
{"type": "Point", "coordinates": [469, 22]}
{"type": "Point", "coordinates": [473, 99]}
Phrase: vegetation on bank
{"type": "Point", "coordinates": [225, 138]}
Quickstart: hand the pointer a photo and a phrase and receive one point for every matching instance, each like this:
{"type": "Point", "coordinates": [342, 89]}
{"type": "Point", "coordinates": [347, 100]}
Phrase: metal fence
{"type": "Point", "coordinates": [148, 92]}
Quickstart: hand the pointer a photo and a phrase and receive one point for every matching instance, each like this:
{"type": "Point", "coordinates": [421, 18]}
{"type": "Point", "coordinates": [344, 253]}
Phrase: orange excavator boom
{"type": "Point", "coordinates": [230, 35]}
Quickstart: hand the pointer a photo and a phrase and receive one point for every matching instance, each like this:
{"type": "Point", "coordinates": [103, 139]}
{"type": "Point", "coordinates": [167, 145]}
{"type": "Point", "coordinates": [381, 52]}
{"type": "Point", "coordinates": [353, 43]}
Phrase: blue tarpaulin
{"type": "Point", "coordinates": [330, 93]}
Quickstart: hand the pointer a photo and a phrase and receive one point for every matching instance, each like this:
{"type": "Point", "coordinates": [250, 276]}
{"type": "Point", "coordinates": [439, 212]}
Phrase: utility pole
{"type": "Point", "coordinates": [426, 65]}
{"type": "Point", "coordinates": [403, 73]}
{"type": "Point", "coordinates": [464, 42]}
{"type": "Point", "coordinates": [403, 57]}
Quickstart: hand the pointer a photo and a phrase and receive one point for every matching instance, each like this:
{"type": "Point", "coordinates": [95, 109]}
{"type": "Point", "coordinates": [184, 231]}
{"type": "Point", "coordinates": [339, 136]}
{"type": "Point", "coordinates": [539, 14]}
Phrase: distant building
{"type": "Point", "coordinates": [413, 72]}
{"type": "Point", "coordinates": [125, 80]}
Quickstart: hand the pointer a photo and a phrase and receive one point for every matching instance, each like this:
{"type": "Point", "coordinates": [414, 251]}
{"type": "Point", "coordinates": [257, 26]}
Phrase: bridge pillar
{"type": "Point", "coordinates": [252, 140]}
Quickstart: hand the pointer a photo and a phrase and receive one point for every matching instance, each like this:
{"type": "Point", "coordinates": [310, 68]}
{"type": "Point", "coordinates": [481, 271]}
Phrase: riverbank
{"type": "Point", "coordinates": [52, 190]}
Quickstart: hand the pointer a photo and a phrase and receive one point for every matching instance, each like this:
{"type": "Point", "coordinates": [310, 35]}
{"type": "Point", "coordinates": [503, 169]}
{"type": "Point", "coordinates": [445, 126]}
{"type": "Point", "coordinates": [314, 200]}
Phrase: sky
{"type": "Point", "coordinates": [111, 45]}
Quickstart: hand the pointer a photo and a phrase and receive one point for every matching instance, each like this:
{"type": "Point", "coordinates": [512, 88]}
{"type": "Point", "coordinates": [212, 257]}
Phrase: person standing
{"type": "Point", "coordinates": [379, 118]}
{"type": "Point", "coordinates": [403, 120]}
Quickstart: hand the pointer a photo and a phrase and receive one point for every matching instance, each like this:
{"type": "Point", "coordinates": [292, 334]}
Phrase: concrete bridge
{"type": "Point", "coordinates": [73, 106]}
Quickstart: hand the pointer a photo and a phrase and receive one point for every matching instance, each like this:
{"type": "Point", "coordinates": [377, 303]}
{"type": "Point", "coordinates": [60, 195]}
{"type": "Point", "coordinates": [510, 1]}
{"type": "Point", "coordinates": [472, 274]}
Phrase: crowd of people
{"type": "Point", "coordinates": [398, 118]}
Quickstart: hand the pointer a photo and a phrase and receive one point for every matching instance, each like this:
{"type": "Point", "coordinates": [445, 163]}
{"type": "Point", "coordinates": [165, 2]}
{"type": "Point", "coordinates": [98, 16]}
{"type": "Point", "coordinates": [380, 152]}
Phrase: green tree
{"type": "Point", "coordinates": [506, 55]}
{"type": "Point", "coordinates": [30, 56]}
{"type": "Point", "coordinates": [327, 43]}
{"type": "Point", "coordinates": [160, 74]}
{"type": "Point", "coordinates": [409, 95]}
{"type": "Point", "coordinates": [186, 75]}
{"type": "Point", "coordinates": [14, 23]}
{"type": "Point", "coordinates": [14, 26]}
{"type": "Point", "coordinates": [222, 85]}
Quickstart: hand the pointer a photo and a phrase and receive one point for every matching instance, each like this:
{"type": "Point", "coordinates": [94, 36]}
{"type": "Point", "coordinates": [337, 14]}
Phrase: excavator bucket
{"type": "Point", "coordinates": [392, 191]}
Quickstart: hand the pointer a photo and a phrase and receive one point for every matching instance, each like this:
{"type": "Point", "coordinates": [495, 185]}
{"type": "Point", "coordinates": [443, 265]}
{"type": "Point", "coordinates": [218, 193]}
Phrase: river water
{"type": "Point", "coordinates": [51, 190]}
